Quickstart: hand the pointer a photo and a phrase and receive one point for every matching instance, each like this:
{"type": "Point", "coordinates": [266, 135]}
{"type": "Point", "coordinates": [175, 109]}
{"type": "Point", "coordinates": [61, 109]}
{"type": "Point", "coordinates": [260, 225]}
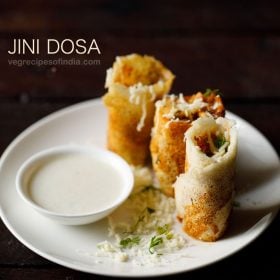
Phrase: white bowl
{"type": "Point", "coordinates": [36, 161]}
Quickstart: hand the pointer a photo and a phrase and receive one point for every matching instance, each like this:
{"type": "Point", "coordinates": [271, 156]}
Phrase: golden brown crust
{"type": "Point", "coordinates": [167, 146]}
{"type": "Point", "coordinates": [134, 84]}
{"type": "Point", "coordinates": [167, 157]}
{"type": "Point", "coordinates": [122, 135]}
{"type": "Point", "coordinates": [200, 219]}
{"type": "Point", "coordinates": [133, 69]}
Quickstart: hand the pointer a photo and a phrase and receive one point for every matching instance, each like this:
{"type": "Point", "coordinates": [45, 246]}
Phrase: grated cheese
{"type": "Point", "coordinates": [181, 105]}
{"type": "Point", "coordinates": [143, 177]}
{"type": "Point", "coordinates": [138, 96]}
{"type": "Point", "coordinates": [140, 216]}
{"type": "Point", "coordinates": [109, 77]}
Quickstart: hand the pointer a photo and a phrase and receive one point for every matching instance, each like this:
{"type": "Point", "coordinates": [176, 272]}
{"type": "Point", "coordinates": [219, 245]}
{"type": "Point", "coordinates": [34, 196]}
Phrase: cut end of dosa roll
{"type": "Point", "coordinates": [134, 83]}
{"type": "Point", "coordinates": [174, 116]}
{"type": "Point", "coordinates": [204, 193]}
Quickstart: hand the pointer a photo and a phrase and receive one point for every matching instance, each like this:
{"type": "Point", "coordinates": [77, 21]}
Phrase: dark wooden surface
{"type": "Point", "coordinates": [231, 46]}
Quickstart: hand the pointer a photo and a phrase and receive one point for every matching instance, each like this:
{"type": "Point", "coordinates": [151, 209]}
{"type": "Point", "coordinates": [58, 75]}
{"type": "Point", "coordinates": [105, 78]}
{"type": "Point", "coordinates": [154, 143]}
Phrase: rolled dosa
{"type": "Point", "coordinates": [204, 193]}
{"type": "Point", "coordinates": [174, 115]}
{"type": "Point", "coordinates": [134, 83]}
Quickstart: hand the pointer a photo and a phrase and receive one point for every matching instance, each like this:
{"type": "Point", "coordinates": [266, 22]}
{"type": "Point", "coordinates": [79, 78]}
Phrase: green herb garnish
{"type": "Point", "coordinates": [129, 242]}
{"type": "Point", "coordinates": [209, 91]}
{"type": "Point", "coordinates": [163, 230]}
{"type": "Point", "coordinates": [169, 236]}
{"type": "Point", "coordinates": [155, 241]}
{"type": "Point", "coordinates": [219, 141]}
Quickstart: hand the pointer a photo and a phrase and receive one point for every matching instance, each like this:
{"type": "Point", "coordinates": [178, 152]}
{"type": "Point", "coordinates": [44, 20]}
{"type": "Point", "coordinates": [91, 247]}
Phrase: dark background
{"type": "Point", "coordinates": [230, 45]}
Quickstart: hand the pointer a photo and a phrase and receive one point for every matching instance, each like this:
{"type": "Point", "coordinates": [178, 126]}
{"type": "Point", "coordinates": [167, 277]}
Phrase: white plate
{"type": "Point", "coordinates": [74, 247]}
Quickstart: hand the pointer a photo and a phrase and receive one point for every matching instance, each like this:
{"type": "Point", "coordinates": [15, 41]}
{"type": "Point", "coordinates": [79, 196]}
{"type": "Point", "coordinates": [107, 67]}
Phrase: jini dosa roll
{"type": "Point", "coordinates": [174, 115]}
{"type": "Point", "coordinates": [134, 83]}
{"type": "Point", "coordinates": [204, 193]}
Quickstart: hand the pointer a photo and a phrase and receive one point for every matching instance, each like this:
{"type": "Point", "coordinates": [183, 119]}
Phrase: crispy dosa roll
{"type": "Point", "coordinates": [174, 115]}
{"type": "Point", "coordinates": [134, 83]}
{"type": "Point", "coordinates": [204, 193]}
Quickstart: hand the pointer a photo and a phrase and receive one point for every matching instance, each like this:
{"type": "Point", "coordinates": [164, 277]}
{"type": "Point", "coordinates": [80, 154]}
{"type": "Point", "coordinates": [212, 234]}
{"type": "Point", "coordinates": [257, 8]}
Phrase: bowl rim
{"type": "Point", "coordinates": [34, 159]}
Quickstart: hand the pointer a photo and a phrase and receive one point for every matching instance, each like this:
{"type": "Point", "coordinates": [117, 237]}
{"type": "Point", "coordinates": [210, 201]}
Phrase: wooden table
{"type": "Point", "coordinates": [234, 47]}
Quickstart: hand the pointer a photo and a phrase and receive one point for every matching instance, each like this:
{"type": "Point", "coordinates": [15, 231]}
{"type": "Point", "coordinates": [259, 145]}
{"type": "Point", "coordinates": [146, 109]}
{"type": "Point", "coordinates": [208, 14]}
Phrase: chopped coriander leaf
{"type": "Point", "coordinates": [169, 236]}
{"type": "Point", "coordinates": [163, 230]}
{"type": "Point", "coordinates": [219, 141]}
{"type": "Point", "coordinates": [155, 241]}
{"type": "Point", "coordinates": [128, 242]}
{"type": "Point", "coordinates": [208, 91]}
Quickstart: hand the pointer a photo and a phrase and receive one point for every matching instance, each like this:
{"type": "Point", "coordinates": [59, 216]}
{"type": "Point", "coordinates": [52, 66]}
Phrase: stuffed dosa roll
{"type": "Point", "coordinates": [134, 83]}
{"type": "Point", "coordinates": [204, 193]}
{"type": "Point", "coordinates": [174, 115]}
